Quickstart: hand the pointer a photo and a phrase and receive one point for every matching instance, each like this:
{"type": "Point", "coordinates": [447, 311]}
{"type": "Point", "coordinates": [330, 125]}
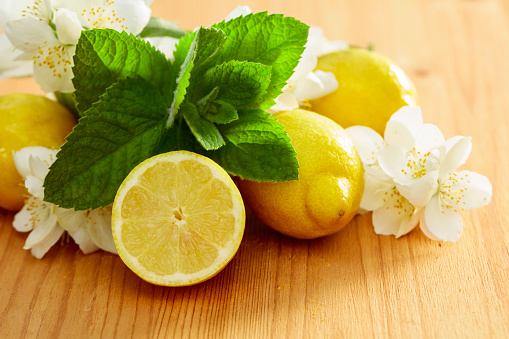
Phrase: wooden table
{"type": "Point", "coordinates": [351, 284]}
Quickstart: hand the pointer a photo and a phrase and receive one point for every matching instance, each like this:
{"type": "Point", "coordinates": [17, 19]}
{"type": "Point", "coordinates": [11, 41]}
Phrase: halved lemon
{"type": "Point", "coordinates": [177, 219]}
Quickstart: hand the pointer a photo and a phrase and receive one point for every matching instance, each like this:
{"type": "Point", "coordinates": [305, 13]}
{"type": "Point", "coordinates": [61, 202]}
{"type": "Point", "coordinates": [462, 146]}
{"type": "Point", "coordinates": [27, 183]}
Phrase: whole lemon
{"type": "Point", "coordinates": [371, 89]}
{"type": "Point", "coordinates": [27, 120]}
{"type": "Point", "coordinates": [330, 186]}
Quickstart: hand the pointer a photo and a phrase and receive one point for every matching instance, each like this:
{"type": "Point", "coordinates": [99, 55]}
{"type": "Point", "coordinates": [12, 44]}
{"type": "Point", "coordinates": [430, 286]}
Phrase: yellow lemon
{"type": "Point", "coordinates": [330, 186]}
{"type": "Point", "coordinates": [177, 219]}
{"type": "Point", "coordinates": [371, 89]}
{"type": "Point", "coordinates": [27, 120]}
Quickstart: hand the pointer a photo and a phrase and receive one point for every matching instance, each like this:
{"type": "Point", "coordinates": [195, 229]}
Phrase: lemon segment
{"type": "Point", "coordinates": [177, 219]}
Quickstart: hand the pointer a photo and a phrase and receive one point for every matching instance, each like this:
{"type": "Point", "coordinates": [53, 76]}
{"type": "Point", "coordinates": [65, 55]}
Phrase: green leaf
{"type": "Point", "coordinates": [257, 148]}
{"type": "Point", "coordinates": [194, 52]}
{"type": "Point", "coordinates": [216, 111]}
{"type": "Point", "coordinates": [241, 84]}
{"type": "Point", "coordinates": [221, 112]}
{"type": "Point", "coordinates": [205, 132]}
{"type": "Point", "coordinates": [204, 103]}
{"type": "Point", "coordinates": [209, 43]}
{"type": "Point", "coordinates": [158, 27]}
{"type": "Point", "coordinates": [124, 128]}
{"type": "Point", "coordinates": [271, 40]}
{"type": "Point", "coordinates": [184, 62]}
{"type": "Point", "coordinates": [103, 56]}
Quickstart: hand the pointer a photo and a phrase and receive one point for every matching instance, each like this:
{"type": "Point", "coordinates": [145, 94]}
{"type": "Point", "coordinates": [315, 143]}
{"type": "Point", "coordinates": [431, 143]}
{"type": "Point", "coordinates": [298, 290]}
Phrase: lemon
{"type": "Point", "coordinates": [330, 186]}
{"type": "Point", "coordinates": [371, 89]}
{"type": "Point", "coordinates": [177, 219]}
{"type": "Point", "coordinates": [27, 120]}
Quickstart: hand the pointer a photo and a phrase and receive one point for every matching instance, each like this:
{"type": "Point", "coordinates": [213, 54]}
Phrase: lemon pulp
{"type": "Point", "coordinates": [178, 219]}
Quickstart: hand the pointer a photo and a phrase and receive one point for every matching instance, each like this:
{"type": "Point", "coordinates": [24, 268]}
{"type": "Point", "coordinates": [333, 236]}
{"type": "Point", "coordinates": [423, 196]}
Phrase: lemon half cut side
{"type": "Point", "coordinates": [177, 219]}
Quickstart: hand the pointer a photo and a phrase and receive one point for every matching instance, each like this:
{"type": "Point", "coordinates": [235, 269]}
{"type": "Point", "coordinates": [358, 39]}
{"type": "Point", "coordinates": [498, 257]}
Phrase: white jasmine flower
{"type": "Point", "coordinates": [410, 177]}
{"type": "Point", "coordinates": [401, 131]}
{"type": "Point", "coordinates": [91, 230]}
{"type": "Point", "coordinates": [457, 191]}
{"type": "Point", "coordinates": [37, 216]}
{"type": "Point", "coordinates": [9, 66]}
{"type": "Point", "coordinates": [47, 31]}
{"type": "Point", "coordinates": [307, 84]}
{"type": "Point", "coordinates": [393, 213]}
{"type": "Point", "coordinates": [121, 15]}
{"type": "Point", "coordinates": [369, 144]}
{"type": "Point", "coordinates": [415, 171]}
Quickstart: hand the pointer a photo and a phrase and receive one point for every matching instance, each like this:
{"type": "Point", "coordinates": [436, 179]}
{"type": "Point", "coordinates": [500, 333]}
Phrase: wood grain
{"type": "Point", "coordinates": [351, 284]}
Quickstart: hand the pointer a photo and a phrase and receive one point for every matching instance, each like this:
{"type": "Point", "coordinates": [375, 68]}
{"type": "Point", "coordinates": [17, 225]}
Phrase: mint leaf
{"type": "Point", "coordinates": [220, 112]}
{"type": "Point", "coordinates": [204, 103]}
{"type": "Point", "coordinates": [241, 84]}
{"type": "Point", "coordinates": [124, 128]}
{"type": "Point", "coordinates": [194, 52]}
{"type": "Point", "coordinates": [271, 40]}
{"type": "Point", "coordinates": [104, 55]}
{"type": "Point", "coordinates": [158, 27]}
{"type": "Point", "coordinates": [209, 43]}
{"type": "Point", "coordinates": [257, 148]}
{"type": "Point", "coordinates": [184, 62]}
{"type": "Point", "coordinates": [216, 111]}
{"type": "Point", "coordinates": [205, 132]}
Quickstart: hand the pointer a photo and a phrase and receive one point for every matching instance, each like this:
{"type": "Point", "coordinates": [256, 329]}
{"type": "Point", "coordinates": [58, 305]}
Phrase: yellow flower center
{"type": "Point", "coordinates": [54, 56]}
{"type": "Point", "coordinates": [37, 11]}
{"type": "Point", "coordinates": [451, 196]}
{"type": "Point", "coordinates": [104, 17]}
{"type": "Point", "coordinates": [416, 164]}
{"type": "Point", "coordinates": [394, 199]}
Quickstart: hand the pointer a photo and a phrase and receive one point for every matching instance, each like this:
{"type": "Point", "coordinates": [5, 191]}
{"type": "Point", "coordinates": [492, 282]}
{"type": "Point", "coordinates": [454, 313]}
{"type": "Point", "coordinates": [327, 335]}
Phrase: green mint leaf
{"type": "Point", "coordinates": [158, 27]}
{"type": "Point", "coordinates": [204, 103]}
{"type": "Point", "coordinates": [185, 138]}
{"type": "Point", "coordinates": [257, 148]}
{"type": "Point", "coordinates": [184, 62]}
{"type": "Point", "coordinates": [205, 132]}
{"type": "Point", "coordinates": [220, 112]}
{"type": "Point", "coordinates": [194, 53]}
{"type": "Point", "coordinates": [271, 40]}
{"type": "Point", "coordinates": [216, 111]}
{"type": "Point", "coordinates": [124, 128]}
{"type": "Point", "coordinates": [209, 43]}
{"type": "Point", "coordinates": [241, 83]}
{"type": "Point", "coordinates": [104, 55]}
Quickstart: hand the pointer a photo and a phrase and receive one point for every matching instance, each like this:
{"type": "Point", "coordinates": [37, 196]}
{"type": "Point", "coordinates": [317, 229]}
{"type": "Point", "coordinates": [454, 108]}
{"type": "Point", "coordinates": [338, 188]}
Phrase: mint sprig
{"type": "Point", "coordinates": [211, 100]}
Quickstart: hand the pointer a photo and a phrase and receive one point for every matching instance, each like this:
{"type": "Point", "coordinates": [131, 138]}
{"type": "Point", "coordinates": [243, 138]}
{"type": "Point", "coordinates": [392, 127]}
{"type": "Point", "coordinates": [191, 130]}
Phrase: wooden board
{"type": "Point", "coordinates": [351, 284]}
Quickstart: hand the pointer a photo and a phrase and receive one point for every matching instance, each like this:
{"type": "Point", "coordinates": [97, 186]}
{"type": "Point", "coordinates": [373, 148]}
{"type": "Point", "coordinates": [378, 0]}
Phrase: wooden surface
{"type": "Point", "coordinates": [352, 284]}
